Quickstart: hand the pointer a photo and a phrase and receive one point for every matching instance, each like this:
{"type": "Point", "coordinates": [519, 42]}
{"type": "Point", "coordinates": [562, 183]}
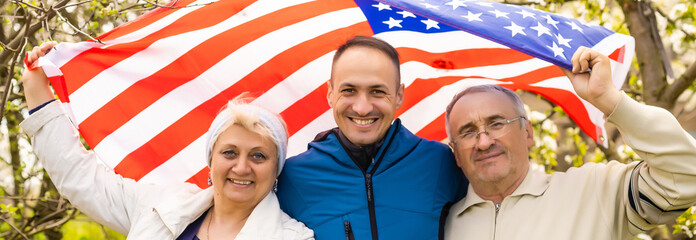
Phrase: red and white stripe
{"type": "Point", "coordinates": [145, 98]}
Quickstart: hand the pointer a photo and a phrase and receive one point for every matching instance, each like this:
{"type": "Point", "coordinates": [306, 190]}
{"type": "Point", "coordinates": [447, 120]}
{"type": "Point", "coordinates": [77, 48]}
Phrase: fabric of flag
{"type": "Point", "coordinates": [144, 97]}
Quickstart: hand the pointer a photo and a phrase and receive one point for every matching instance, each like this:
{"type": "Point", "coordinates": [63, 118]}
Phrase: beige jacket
{"type": "Point", "coordinates": [594, 201]}
{"type": "Point", "coordinates": [141, 211]}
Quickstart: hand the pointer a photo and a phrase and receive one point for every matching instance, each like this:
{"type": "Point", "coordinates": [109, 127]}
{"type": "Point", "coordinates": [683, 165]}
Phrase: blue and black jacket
{"type": "Point", "coordinates": [401, 195]}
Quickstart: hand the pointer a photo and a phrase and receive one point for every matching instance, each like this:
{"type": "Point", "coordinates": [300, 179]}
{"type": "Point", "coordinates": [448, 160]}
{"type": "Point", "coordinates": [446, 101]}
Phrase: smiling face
{"type": "Point", "coordinates": [364, 93]}
{"type": "Point", "coordinates": [243, 166]}
{"type": "Point", "coordinates": [490, 161]}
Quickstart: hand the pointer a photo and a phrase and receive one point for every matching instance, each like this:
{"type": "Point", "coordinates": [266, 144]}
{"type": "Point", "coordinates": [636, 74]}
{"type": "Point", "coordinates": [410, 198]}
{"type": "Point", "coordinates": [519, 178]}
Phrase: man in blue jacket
{"type": "Point", "coordinates": [370, 178]}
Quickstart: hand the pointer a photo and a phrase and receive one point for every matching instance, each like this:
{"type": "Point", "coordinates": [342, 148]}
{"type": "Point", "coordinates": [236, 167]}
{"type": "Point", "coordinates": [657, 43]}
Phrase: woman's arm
{"type": "Point", "coordinates": [91, 187]}
{"type": "Point", "coordinates": [36, 89]}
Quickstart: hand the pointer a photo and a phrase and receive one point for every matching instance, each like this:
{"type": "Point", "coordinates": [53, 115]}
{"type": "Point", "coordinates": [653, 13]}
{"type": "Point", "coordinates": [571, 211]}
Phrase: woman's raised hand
{"type": "Point", "coordinates": [36, 88]}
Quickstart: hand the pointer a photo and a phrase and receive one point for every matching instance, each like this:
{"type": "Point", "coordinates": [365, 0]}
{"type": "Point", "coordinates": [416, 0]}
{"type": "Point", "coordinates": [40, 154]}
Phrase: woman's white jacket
{"type": "Point", "coordinates": [140, 211]}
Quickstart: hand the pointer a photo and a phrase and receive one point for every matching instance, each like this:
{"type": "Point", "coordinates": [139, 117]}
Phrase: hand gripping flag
{"type": "Point", "coordinates": [144, 97]}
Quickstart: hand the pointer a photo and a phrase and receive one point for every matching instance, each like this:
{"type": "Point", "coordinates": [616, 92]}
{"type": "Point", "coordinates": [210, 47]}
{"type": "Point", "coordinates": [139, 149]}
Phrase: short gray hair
{"type": "Point", "coordinates": [516, 100]}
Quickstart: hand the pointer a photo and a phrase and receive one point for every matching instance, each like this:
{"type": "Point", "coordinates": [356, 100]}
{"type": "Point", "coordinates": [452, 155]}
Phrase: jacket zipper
{"type": "Point", "coordinates": [497, 209]}
{"type": "Point", "coordinates": [368, 183]}
{"type": "Point", "coordinates": [371, 205]}
{"type": "Point", "coordinates": [495, 225]}
{"type": "Point", "coordinates": [349, 230]}
{"type": "Point", "coordinates": [368, 186]}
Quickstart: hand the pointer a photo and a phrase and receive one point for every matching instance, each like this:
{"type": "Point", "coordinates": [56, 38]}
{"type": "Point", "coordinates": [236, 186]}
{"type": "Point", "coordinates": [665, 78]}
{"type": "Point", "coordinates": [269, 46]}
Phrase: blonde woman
{"type": "Point", "coordinates": [246, 150]}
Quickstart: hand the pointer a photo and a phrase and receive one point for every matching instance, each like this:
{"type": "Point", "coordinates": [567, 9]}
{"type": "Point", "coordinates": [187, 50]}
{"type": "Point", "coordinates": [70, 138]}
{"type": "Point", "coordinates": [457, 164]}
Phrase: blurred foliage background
{"type": "Point", "coordinates": [663, 75]}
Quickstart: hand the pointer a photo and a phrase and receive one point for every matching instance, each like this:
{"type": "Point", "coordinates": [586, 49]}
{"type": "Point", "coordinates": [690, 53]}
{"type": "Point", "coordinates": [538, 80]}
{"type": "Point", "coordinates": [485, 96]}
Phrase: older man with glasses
{"type": "Point", "coordinates": [490, 136]}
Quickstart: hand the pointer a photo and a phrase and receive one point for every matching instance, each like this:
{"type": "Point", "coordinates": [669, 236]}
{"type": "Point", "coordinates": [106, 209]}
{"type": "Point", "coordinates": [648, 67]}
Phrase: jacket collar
{"type": "Point", "coordinates": [397, 143]}
{"type": "Point", "coordinates": [177, 213]}
{"type": "Point", "coordinates": [534, 184]}
{"type": "Point", "coordinates": [363, 155]}
{"type": "Point", "coordinates": [262, 223]}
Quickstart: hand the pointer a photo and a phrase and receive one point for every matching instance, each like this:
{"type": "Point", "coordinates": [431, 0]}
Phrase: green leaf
{"type": "Point", "coordinates": [686, 222]}
{"type": "Point", "coordinates": [84, 228]}
{"type": "Point", "coordinates": [577, 161]}
{"type": "Point", "coordinates": [559, 110]}
{"type": "Point", "coordinates": [599, 156]}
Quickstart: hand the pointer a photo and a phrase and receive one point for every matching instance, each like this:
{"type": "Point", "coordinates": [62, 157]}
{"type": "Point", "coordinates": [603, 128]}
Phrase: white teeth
{"type": "Point", "coordinates": [364, 122]}
{"type": "Point", "coordinates": [241, 182]}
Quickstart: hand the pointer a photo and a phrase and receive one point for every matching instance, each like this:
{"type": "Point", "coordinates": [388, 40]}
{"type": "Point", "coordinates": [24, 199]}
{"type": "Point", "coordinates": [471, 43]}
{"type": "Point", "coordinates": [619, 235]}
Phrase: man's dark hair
{"type": "Point", "coordinates": [374, 43]}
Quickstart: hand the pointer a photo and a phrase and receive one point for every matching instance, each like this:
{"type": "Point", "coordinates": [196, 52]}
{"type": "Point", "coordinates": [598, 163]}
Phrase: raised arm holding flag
{"type": "Point", "coordinates": [142, 99]}
{"type": "Point", "coordinates": [490, 136]}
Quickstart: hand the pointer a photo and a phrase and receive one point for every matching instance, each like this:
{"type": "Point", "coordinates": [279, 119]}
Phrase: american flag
{"type": "Point", "coordinates": [144, 97]}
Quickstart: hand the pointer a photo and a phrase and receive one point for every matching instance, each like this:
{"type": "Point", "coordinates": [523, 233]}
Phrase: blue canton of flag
{"type": "Point", "coordinates": [544, 35]}
{"type": "Point", "coordinates": [384, 18]}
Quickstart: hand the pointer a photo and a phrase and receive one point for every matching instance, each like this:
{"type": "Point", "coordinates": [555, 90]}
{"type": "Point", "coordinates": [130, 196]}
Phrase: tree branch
{"type": "Point", "coordinates": [171, 4]}
{"type": "Point", "coordinates": [53, 224]}
{"type": "Point", "coordinates": [7, 47]}
{"type": "Point", "coordinates": [550, 115]}
{"type": "Point", "coordinates": [129, 8]}
{"type": "Point", "coordinates": [77, 30]}
{"type": "Point", "coordinates": [54, 213]}
{"type": "Point", "coordinates": [520, 3]}
{"type": "Point", "coordinates": [15, 228]}
{"type": "Point", "coordinates": [35, 199]}
{"type": "Point", "coordinates": [3, 36]}
{"type": "Point", "coordinates": [528, 3]}
{"type": "Point", "coordinates": [680, 84]}
{"type": "Point", "coordinates": [71, 5]}
{"type": "Point", "coordinates": [26, 20]}
{"type": "Point", "coordinates": [28, 5]}
{"type": "Point", "coordinates": [664, 15]}
{"type": "Point", "coordinates": [17, 39]}
{"type": "Point", "coordinates": [640, 21]}
{"type": "Point", "coordinates": [8, 82]}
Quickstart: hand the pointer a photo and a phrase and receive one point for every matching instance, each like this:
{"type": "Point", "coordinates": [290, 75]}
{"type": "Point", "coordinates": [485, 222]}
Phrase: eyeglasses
{"type": "Point", "coordinates": [494, 130]}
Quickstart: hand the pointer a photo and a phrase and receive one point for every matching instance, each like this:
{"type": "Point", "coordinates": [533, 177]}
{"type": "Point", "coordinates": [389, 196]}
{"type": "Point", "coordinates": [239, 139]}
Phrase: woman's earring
{"type": "Point", "coordinates": [275, 186]}
{"type": "Point", "coordinates": [210, 181]}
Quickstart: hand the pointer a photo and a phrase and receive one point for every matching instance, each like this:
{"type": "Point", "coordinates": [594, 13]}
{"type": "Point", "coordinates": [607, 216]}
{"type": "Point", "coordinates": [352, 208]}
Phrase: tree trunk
{"type": "Point", "coordinates": [641, 22]}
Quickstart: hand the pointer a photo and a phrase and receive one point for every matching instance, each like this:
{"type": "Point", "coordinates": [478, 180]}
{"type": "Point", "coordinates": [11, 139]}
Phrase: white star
{"type": "Point", "coordinates": [393, 23]}
{"type": "Point", "coordinates": [382, 6]}
{"type": "Point", "coordinates": [557, 51]}
{"type": "Point", "coordinates": [473, 17]}
{"type": "Point", "coordinates": [427, 5]}
{"type": "Point", "coordinates": [405, 14]}
{"type": "Point", "coordinates": [574, 26]}
{"type": "Point", "coordinates": [563, 41]}
{"type": "Point", "coordinates": [526, 14]}
{"type": "Point", "coordinates": [499, 14]}
{"type": "Point", "coordinates": [485, 4]}
{"type": "Point", "coordinates": [515, 29]}
{"type": "Point", "coordinates": [430, 24]}
{"type": "Point", "coordinates": [541, 30]}
{"type": "Point", "coordinates": [550, 21]}
{"type": "Point", "coordinates": [456, 3]}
